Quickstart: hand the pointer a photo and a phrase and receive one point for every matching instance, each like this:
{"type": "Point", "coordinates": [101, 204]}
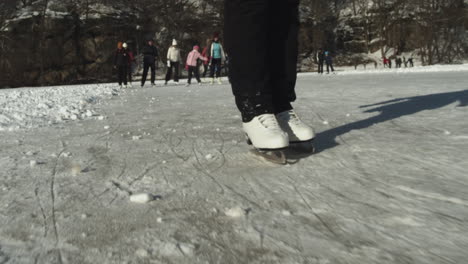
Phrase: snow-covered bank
{"type": "Point", "coordinates": [417, 69]}
{"type": "Point", "coordinates": [26, 108]}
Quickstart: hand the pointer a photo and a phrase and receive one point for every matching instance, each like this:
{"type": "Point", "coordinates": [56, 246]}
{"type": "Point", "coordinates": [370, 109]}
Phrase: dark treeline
{"type": "Point", "coordinates": [46, 42]}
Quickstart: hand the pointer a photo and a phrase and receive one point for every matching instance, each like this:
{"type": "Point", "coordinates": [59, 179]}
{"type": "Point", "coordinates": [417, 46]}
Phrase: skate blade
{"type": "Point", "coordinates": [304, 146]}
{"type": "Point", "coordinates": [273, 156]}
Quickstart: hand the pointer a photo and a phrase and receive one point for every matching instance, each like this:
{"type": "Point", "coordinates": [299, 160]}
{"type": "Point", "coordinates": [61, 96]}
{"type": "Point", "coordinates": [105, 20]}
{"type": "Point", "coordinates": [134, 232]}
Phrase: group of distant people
{"type": "Point", "coordinates": [212, 57]}
{"type": "Point", "coordinates": [399, 62]}
{"type": "Point", "coordinates": [324, 57]}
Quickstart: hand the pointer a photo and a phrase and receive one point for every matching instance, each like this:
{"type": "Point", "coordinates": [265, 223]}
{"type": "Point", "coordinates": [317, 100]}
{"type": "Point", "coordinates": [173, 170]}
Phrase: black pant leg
{"type": "Point", "coordinates": [153, 72]}
{"type": "Point", "coordinates": [212, 68]}
{"type": "Point", "coordinates": [205, 70]}
{"type": "Point", "coordinates": [119, 75]}
{"type": "Point", "coordinates": [145, 73]}
{"type": "Point", "coordinates": [197, 74]}
{"type": "Point", "coordinates": [129, 72]}
{"type": "Point", "coordinates": [190, 72]}
{"type": "Point", "coordinates": [283, 51]}
{"type": "Point", "coordinates": [169, 73]}
{"type": "Point", "coordinates": [124, 74]}
{"type": "Point", "coordinates": [246, 40]}
{"type": "Point", "coordinates": [176, 71]}
{"type": "Point", "coordinates": [218, 68]}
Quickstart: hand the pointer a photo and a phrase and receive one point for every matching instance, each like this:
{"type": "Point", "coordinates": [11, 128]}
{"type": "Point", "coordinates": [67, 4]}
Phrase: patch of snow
{"type": "Point", "coordinates": [235, 212]}
{"type": "Point", "coordinates": [141, 198]}
{"type": "Point", "coordinates": [27, 108]}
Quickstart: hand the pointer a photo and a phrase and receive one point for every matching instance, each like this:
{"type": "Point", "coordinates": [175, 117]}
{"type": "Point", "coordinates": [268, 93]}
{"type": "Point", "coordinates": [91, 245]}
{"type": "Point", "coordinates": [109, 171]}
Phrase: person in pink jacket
{"type": "Point", "coordinates": [192, 64]}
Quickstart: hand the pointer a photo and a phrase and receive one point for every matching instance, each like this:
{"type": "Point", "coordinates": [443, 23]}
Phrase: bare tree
{"type": "Point", "coordinates": [7, 7]}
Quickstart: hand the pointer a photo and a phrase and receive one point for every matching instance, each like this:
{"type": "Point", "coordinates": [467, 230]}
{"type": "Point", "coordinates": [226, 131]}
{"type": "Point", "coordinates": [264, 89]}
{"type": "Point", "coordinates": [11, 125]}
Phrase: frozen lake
{"type": "Point", "coordinates": [388, 184]}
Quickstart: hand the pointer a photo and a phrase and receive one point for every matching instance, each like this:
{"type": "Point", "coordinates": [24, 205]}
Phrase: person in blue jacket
{"type": "Point", "coordinates": [329, 62]}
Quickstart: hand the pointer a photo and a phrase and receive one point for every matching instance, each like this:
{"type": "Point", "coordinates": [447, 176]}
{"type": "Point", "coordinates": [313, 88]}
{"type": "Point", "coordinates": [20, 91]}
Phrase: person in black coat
{"type": "Point", "coordinates": [121, 62]}
{"type": "Point", "coordinates": [320, 60]}
{"type": "Point", "coordinates": [150, 53]}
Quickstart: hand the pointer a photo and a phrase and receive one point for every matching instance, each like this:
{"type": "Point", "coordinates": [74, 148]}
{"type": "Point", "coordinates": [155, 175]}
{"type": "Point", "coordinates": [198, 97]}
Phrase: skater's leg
{"type": "Point", "coordinates": [246, 35]}
{"type": "Point", "coordinates": [119, 75]}
{"type": "Point", "coordinates": [218, 68]}
{"type": "Point", "coordinates": [124, 74]}
{"type": "Point", "coordinates": [129, 70]}
{"type": "Point", "coordinates": [190, 72]}
{"type": "Point", "coordinates": [176, 71]}
{"type": "Point", "coordinates": [331, 66]}
{"type": "Point", "coordinates": [197, 74]}
{"type": "Point", "coordinates": [169, 72]}
{"type": "Point", "coordinates": [145, 73]}
{"type": "Point", "coordinates": [212, 68]}
{"type": "Point", "coordinates": [328, 67]}
{"type": "Point", "coordinates": [282, 52]}
{"type": "Point", "coordinates": [205, 70]}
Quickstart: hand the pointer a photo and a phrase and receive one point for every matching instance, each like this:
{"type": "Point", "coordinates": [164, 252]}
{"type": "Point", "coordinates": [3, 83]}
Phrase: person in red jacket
{"type": "Point", "coordinates": [131, 63]}
{"type": "Point", "coordinates": [385, 62]}
{"type": "Point", "coordinates": [206, 53]}
{"type": "Point", "coordinates": [121, 62]}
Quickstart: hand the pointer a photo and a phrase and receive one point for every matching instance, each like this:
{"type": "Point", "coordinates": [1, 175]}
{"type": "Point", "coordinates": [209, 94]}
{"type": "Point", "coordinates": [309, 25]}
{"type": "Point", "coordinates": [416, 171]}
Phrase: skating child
{"type": "Point", "coordinates": [192, 64]}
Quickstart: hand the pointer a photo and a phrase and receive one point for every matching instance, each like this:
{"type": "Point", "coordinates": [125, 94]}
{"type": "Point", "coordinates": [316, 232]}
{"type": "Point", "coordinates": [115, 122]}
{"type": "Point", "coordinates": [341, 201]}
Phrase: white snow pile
{"type": "Point", "coordinates": [27, 108]}
{"type": "Point", "coordinates": [417, 69]}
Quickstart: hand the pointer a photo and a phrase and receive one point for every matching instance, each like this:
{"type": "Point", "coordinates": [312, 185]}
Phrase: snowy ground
{"type": "Point", "coordinates": [388, 184]}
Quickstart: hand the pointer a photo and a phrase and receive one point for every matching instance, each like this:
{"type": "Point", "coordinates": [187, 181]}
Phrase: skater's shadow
{"type": "Point", "coordinates": [390, 110]}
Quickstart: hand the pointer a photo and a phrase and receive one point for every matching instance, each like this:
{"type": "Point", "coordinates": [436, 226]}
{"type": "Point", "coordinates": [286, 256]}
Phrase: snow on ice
{"type": "Point", "coordinates": [141, 198]}
{"type": "Point", "coordinates": [29, 108]}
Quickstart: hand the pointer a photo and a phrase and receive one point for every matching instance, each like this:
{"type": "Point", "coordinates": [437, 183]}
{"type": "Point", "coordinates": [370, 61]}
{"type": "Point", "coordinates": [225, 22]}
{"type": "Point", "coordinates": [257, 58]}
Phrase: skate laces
{"type": "Point", "coordinates": [269, 121]}
{"type": "Point", "coordinates": [290, 117]}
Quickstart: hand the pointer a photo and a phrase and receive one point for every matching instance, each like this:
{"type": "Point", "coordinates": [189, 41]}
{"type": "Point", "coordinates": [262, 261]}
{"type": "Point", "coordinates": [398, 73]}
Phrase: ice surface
{"type": "Point", "coordinates": [388, 184]}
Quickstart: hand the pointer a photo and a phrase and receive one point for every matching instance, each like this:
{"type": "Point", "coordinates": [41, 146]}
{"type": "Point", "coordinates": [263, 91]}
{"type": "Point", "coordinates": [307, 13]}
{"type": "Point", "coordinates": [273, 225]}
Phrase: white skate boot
{"type": "Point", "coordinates": [298, 132]}
{"type": "Point", "coordinates": [265, 134]}
{"type": "Point", "coordinates": [219, 81]}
